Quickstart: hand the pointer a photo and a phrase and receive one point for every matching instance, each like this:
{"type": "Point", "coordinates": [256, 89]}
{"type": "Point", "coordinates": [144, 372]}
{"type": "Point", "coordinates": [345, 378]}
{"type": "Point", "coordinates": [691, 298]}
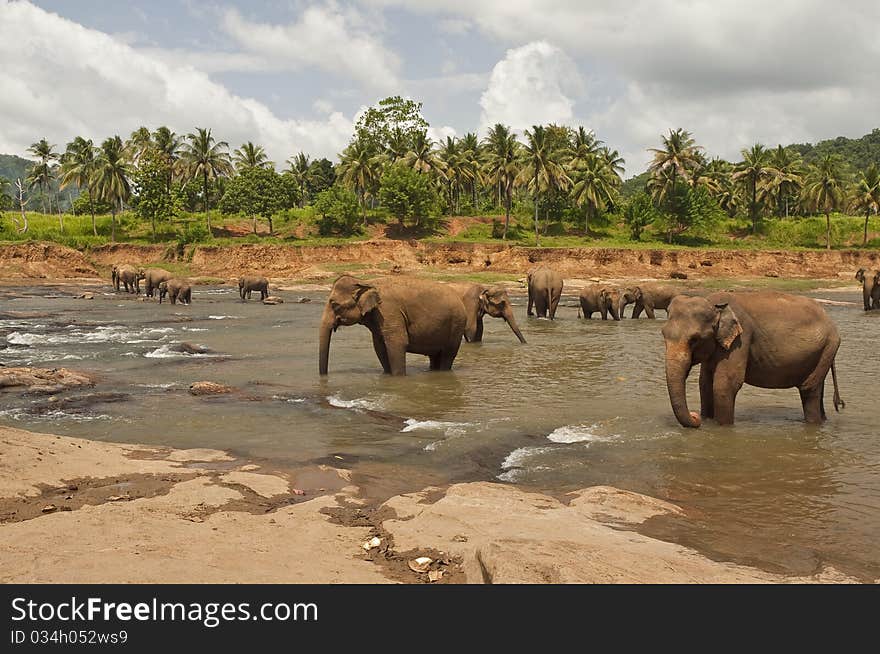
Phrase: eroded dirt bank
{"type": "Point", "coordinates": [74, 510]}
{"type": "Point", "coordinates": [50, 261]}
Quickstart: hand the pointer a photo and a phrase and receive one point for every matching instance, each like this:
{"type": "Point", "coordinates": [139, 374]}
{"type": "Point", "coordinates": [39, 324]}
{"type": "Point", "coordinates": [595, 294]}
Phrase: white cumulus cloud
{"type": "Point", "coordinates": [533, 84]}
{"type": "Point", "coordinates": [61, 79]}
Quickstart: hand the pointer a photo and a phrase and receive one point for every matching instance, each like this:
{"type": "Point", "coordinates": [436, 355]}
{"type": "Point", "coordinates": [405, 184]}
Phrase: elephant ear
{"type": "Point", "coordinates": [860, 274]}
{"type": "Point", "coordinates": [637, 292]}
{"type": "Point", "coordinates": [877, 278]}
{"type": "Point", "coordinates": [603, 295]}
{"type": "Point", "coordinates": [484, 300]}
{"type": "Point", "coordinates": [367, 298]}
{"type": "Point", "coordinates": [727, 327]}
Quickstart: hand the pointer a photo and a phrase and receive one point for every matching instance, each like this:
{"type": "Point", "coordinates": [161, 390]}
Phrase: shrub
{"type": "Point", "coordinates": [338, 208]}
{"type": "Point", "coordinates": [407, 195]}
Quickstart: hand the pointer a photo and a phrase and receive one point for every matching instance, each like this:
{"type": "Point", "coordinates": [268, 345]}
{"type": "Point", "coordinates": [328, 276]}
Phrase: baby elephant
{"type": "Point", "coordinates": [604, 299]}
{"type": "Point", "coordinates": [176, 289]}
{"type": "Point", "coordinates": [870, 288]}
{"type": "Point", "coordinates": [648, 298]}
{"type": "Point", "coordinates": [246, 285]}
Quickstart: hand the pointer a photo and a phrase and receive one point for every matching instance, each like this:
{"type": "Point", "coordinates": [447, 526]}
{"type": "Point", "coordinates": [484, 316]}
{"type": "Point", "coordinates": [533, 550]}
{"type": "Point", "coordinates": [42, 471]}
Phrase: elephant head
{"type": "Point", "coordinates": [695, 330]}
{"type": "Point", "coordinates": [629, 295]}
{"type": "Point", "coordinates": [610, 298]}
{"type": "Point", "coordinates": [163, 291]}
{"type": "Point", "coordinates": [350, 303]}
{"type": "Point", "coordinates": [496, 303]}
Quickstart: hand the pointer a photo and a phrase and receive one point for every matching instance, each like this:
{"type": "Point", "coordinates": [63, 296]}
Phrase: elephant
{"type": "Point", "coordinates": [114, 276]}
{"type": "Point", "coordinates": [481, 300]}
{"type": "Point", "coordinates": [604, 299]}
{"type": "Point", "coordinates": [870, 288]}
{"type": "Point", "coordinates": [129, 277]}
{"type": "Point", "coordinates": [175, 289]}
{"type": "Point", "coordinates": [248, 284]}
{"type": "Point", "coordinates": [763, 338]}
{"type": "Point", "coordinates": [153, 277]}
{"type": "Point", "coordinates": [545, 290]}
{"type": "Point", "coordinates": [403, 315]}
{"type": "Point", "coordinates": [647, 298]}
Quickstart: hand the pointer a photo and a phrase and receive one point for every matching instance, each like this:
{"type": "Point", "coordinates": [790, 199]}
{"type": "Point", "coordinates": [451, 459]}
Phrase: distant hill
{"type": "Point", "coordinates": [13, 166]}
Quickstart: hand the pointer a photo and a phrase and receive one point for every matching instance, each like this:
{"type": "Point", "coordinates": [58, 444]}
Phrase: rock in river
{"type": "Point", "coordinates": [43, 380]}
{"type": "Point", "coordinates": [209, 388]}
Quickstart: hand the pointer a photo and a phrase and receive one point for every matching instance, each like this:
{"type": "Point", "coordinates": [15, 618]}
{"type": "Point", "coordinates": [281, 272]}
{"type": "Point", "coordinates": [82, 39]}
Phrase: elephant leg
{"type": "Point", "coordinates": [604, 312]}
{"type": "Point", "coordinates": [529, 311]}
{"type": "Point", "coordinates": [263, 294]}
{"type": "Point", "coordinates": [637, 310]}
{"type": "Point", "coordinates": [649, 311]}
{"type": "Point", "coordinates": [811, 399]}
{"type": "Point", "coordinates": [447, 356]}
{"type": "Point", "coordinates": [396, 356]}
{"type": "Point", "coordinates": [381, 353]}
{"type": "Point", "coordinates": [728, 378]}
{"type": "Point", "coordinates": [707, 392]}
{"type": "Point", "coordinates": [553, 304]}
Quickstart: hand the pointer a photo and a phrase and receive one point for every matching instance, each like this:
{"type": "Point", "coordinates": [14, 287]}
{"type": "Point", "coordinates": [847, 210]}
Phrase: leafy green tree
{"type": "Point", "coordinates": [82, 205]}
{"type": "Point", "coordinates": [299, 169]}
{"type": "Point", "coordinates": [690, 209]}
{"type": "Point", "coordinates": [422, 157]}
{"type": "Point", "coordinates": [77, 169]}
{"type": "Point", "coordinates": [111, 178]}
{"type": "Point", "coordinates": [250, 156]}
{"type": "Point", "coordinates": [638, 213]}
{"type": "Point", "coordinates": [5, 194]}
{"type": "Point", "coordinates": [170, 145]}
{"type": "Point", "coordinates": [825, 189]}
{"type": "Point", "coordinates": [394, 122]}
{"type": "Point", "coordinates": [338, 207]}
{"type": "Point", "coordinates": [322, 175]}
{"type": "Point", "coordinates": [206, 159]}
{"type": "Point", "coordinates": [866, 195]}
{"type": "Point", "coordinates": [155, 201]}
{"type": "Point", "coordinates": [257, 192]}
{"type": "Point", "coordinates": [406, 194]}
{"type": "Point", "coordinates": [502, 153]}
{"type": "Point", "coordinates": [541, 169]}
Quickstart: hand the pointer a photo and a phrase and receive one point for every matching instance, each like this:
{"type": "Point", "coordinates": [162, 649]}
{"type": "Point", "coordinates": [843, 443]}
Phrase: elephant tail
{"type": "Point", "coordinates": [838, 402]}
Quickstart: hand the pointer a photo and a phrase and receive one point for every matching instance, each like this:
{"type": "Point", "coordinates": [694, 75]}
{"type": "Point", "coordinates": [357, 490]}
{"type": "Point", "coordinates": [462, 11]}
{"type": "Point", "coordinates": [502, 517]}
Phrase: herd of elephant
{"type": "Point", "coordinates": [765, 339]}
{"type": "Point", "coordinates": [176, 289]}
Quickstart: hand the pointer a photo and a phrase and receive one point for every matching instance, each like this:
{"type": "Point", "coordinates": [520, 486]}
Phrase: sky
{"type": "Point", "coordinates": [293, 75]}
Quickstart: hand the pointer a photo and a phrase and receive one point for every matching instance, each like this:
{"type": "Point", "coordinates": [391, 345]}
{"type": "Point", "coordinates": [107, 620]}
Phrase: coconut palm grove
{"type": "Point", "coordinates": [548, 185]}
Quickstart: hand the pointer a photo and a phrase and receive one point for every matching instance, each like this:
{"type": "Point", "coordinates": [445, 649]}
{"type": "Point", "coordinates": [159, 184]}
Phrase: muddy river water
{"type": "Point", "coordinates": [583, 403]}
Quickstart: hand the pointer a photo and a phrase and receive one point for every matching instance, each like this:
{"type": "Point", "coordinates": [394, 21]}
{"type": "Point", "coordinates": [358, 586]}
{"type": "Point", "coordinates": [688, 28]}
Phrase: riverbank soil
{"type": "Point", "coordinates": [81, 511]}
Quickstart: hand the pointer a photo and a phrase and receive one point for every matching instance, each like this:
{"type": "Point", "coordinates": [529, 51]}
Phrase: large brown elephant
{"type": "Point", "coordinates": [602, 298]}
{"type": "Point", "coordinates": [870, 288]}
{"type": "Point", "coordinates": [153, 277]}
{"type": "Point", "coordinates": [177, 290]}
{"type": "Point", "coordinates": [128, 276]}
{"type": "Point", "coordinates": [765, 339]}
{"type": "Point", "coordinates": [545, 290]}
{"type": "Point", "coordinates": [248, 284]}
{"type": "Point", "coordinates": [403, 315]}
{"type": "Point", "coordinates": [480, 300]}
{"type": "Point", "coordinates": [647, 298]}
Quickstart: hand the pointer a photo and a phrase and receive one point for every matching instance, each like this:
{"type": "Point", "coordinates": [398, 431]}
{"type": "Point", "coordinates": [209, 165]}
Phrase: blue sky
{"type": "Point", "coordinates": [293, 75]}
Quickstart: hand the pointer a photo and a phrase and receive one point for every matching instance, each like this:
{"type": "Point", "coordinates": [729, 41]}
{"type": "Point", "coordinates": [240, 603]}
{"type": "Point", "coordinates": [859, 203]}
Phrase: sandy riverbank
{"type": "Point", "coordinates": [75, 510]}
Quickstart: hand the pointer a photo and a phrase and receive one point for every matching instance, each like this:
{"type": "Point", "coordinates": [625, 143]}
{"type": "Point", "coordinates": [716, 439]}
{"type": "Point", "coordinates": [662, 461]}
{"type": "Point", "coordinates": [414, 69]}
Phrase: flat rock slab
{"type": "Point", "coordinates": [273, 299]}
{"type": "Point", "coordinates": [43, 380]}
{"type": "Point", "coordinates": [209, 388]}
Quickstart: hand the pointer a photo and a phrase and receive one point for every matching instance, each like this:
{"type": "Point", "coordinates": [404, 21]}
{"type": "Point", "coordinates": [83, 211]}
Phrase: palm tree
{"type": "Point", "coordinates": [584, 145]}
{"type": "Point", "coordinates": [205, 158]}
{"type": "Point", "coordinates": [399, 143]}
{"type": "Point", "coordinates": [457, 169]}
{"type": "Point", "coordinates": [170, 145]}
{"type": "Point", "coordinates": [470, 145]}
{"type": "Point", "coordinates": [299, 170]}
{"type": "Point", "coordinates": [595, 187]}
{"type": "Point", "coordinates": [825, 189]}
{"type": "Point", "coordinates": [502, 165]}
{"type": "Point", "coordinates": [111, 177]}
{"type": "Point", "coordinates": [678, 158]}
{"type": "Point", "coordinates": [788, 177]}
{"type": "Point", "coordinates": [866, 195]}
{"type": "Point", "coordinates": [138, 143]}
{"type": "Point", "coordinates": [41, 173]}
{"type": "Point", "coordinates": [358, 169]}
{"type": "Point", "coordinates": [422, 157]}
{"type": "Point", "coordinates": [756, 172]}
{"type": "Point", "coordinates": [78, 168]}
{"type": "Point", "coordinates": [251, 156]}
{"type": "Point", "coordinates": [541, 170]}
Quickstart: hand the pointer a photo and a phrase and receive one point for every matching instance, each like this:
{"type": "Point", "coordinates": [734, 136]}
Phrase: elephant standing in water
{"type": "Point", "coordinates": [870, 288]}
{"type": "Point", "coordinates": [128, 276]}
{"type": "Point", "coordinates": [176, 290]}
{"type": "Point", "coordinates": [647, 298]}
{"type": "Point", "coordinates": [403, 315]}
{"type": "Point", "coordinates": [765, 339]}
{"type": "Point", "coordinates": [481, 300]}
{"type": "Point", "coordinates": [604, 299]}
{"type": "Point", "coordinates": [152, 278]}
{"type": "Point", "coordinates": [545, 290]}
{"type": "Point", "coordinates": [248, 284]}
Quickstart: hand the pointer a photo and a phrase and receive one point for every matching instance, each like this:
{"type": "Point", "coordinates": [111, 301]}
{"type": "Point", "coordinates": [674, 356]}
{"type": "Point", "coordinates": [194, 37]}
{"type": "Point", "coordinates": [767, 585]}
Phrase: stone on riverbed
{"type": "Point", "coordinates": [209, 388]}
{"type": "Point", "coordinates": [43, 380]}
{"type": "Point", "coordinates": [273, 299]}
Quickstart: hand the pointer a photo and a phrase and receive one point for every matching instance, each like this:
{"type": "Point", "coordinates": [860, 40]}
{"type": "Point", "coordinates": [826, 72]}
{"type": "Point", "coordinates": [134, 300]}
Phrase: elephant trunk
{"type": "Point", "coordinates": [614, 308]}
{"type": "Point", "coordinates": [328, 324]}
{"type": "Point", "coordinates": [678, 365]}
{"type": "Point", "coordinates": [511, 322]}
